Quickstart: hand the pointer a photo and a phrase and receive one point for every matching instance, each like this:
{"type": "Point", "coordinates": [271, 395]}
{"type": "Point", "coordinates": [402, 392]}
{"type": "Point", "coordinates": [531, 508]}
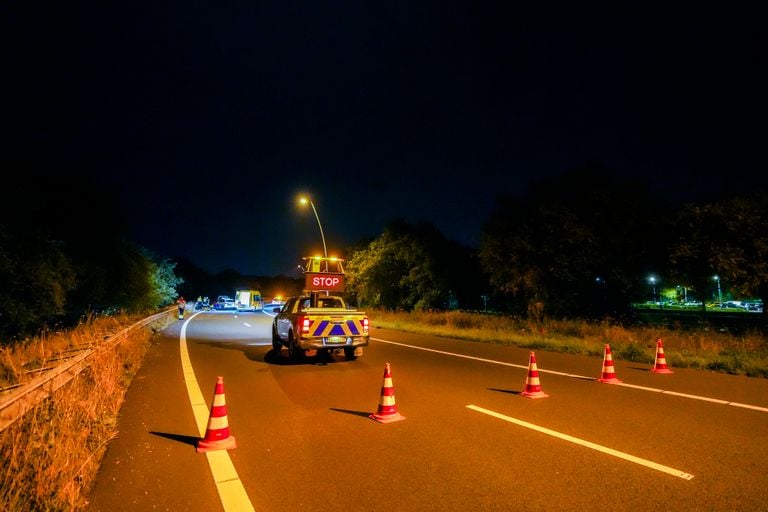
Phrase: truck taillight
{"type": "Point", "coordinates": [304, 324]}
{"type": "Point", "coordinates": [365, 325]}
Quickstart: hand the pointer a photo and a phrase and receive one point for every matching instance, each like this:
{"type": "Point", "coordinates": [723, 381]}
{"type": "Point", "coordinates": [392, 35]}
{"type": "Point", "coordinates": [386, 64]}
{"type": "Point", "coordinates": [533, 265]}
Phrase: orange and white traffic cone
{"type": "Point", "coordinates": [609, 373]}
{"type": "Point", "coordinates": [660, 365]}
{"type": "Point", "coordinates": [387, 411]}
{"type": "Point", "coordinates": [217, 436]}
{"type": "Point", "coordinates": [532, 384]}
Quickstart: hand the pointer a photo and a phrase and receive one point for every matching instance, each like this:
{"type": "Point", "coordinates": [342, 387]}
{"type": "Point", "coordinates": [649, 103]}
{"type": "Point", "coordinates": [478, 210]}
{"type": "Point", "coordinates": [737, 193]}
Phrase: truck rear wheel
{"type": "Point", "coordinates": [349, 353]}
{"type": "Point", "coordinates": [294, 351]}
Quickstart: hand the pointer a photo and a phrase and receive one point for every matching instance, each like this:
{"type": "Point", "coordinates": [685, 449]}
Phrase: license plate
{"type": "Point", "coordinates": [337, 339]}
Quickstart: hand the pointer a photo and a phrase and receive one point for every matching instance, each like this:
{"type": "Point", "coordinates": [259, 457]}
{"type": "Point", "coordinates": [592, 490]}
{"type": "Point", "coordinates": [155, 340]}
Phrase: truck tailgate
{"type": "Point", "coordinates": [327, 322]}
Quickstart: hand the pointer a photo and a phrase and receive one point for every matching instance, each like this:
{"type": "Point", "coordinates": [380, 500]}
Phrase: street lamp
{"type": "Point", "coordinates": [304, 200]}
{"type": "Point", "coordinates": [600, 281]}
{"type": "Point", "coordinates": [719, 291]}
{"type": "Point", "coordinates": [652, 280]}
{"type": "Point", "coordinates": [604, 287]}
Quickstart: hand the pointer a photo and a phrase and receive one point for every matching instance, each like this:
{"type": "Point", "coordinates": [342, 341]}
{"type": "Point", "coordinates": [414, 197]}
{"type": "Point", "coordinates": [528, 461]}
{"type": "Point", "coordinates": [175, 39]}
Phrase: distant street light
{"type": "Point", "coordinates": [304, 200]}
{"type": "Point", "coordinates": [604, 287]}
{"type": "Point", "coordinates": [719, 291]}
{"type": "Point", "coordinates": [685, 292]}
{"type": "Point", "coordinates": [652, 280]}
{"type": "Point", "coordinates": [599, 280]}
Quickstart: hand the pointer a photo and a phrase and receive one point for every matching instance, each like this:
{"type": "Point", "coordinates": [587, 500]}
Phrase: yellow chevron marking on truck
{"type": "Point", "coordinates": [326, 327]}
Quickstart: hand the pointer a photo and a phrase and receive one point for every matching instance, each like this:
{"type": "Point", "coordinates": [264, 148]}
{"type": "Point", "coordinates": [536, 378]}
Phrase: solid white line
{"type": "Point", "coordinates": [583, 377]}
{"type": "Point", "coordinates": [642, 388]}
{"type": "Point", "coordinates": [464, 356]}
{"type": "Point", "coordinates": [697, 397]}
{"type": "Point", "coordinates": [587, 444]}
{"type": "Point", "coordinates": [231, 491]}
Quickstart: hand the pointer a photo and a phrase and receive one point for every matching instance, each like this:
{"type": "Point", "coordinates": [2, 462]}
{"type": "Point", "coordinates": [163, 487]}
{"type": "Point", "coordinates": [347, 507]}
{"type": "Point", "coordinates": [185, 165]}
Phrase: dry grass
{"type": "Point", "coordinates": [52, 454]}
{"type": "Point", "coordinates": [745, 354]}
{"type": "Point", "coordinates": [20, 362]}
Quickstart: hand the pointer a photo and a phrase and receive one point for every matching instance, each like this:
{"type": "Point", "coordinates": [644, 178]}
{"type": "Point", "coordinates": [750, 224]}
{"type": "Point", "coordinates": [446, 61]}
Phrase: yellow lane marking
{"type": "Point", "coordinates": [231, 491]}
{"type": "Point", "coordinates": [588, 444]}
{"type": "Point", "coordinates": [582, 377]}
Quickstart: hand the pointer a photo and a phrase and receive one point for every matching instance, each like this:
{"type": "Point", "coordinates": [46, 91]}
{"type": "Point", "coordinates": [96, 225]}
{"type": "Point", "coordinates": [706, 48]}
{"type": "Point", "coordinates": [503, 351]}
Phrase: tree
{"type": "Point", "coordinates": [196, 281]}
{"type": "Point", "coordinates": [36, 277]}
{"type": "Point", "coordinates": [410, 267]}
{"type": "Point", "coordinates": [547, 250]}
{"type": "Point", "coordinates": [62, 257]}
{"type": "Point", "coordinates": [163, 282]}
{"type": "Point", "coordinates": [726, 238]}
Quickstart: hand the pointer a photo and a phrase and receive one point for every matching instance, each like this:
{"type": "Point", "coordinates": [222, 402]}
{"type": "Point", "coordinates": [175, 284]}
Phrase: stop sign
{"type": "Point", "coordinates": [323, 281]}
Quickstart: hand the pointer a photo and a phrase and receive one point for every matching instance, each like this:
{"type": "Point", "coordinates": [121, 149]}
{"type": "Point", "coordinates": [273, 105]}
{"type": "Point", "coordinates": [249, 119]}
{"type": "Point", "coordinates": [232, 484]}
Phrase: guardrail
{"type": "Point", "coordinates": [26, 396]}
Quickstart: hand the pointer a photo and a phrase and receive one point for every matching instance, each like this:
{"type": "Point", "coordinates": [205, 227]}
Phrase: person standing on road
{"type": "Point", "coordinates": [182, 306]}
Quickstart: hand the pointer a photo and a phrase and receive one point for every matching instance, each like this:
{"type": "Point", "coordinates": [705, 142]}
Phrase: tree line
{"type": "Point", "coordinates": [64, 255]}
{"type": "Point", "coordinates": [577, 246]}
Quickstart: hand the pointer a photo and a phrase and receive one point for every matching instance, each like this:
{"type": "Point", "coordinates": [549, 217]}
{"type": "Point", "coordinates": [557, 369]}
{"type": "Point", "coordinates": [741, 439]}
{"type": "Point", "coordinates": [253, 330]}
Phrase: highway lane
{"type": "Point", "coordinates": [469, 440]}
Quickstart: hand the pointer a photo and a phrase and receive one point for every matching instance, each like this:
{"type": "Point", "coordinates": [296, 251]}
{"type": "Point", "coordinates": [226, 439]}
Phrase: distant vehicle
{"type": "Point", "coordinates": [248, 300]}
{"type": "Point", "coordinates": [224, 302]}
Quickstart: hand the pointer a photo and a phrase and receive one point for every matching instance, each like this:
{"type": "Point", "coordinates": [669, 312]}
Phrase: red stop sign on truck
{"type": "Point", "coordinates": [323, 281]}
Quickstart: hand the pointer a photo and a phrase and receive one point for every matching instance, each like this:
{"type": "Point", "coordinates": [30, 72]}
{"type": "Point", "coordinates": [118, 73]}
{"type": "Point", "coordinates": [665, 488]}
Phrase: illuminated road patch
{"type": "Point", "coordinates": [610, 451]}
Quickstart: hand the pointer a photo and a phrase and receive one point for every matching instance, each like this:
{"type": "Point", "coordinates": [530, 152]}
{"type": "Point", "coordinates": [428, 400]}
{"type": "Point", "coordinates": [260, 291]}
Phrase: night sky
{"type": "Point", "coordinates": [211, 118]}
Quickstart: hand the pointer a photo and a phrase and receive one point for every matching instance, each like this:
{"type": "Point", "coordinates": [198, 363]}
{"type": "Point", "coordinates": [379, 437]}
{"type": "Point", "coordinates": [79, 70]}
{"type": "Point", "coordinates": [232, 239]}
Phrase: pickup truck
{"type": "Point", "coordinates": [307, 324]}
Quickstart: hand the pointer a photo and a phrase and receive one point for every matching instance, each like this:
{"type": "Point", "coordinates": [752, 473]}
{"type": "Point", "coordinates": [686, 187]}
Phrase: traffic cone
{"type": "Point", "coordinates": [532, 385]}
{"type": "Point", "coordinates": [660, 365]}
{"type": "Point", "coordinates": [217, 436]}
{"type": "Point", "coordinates": [609, 373]}
{"type": "Point", "coordinates": [387, 411]}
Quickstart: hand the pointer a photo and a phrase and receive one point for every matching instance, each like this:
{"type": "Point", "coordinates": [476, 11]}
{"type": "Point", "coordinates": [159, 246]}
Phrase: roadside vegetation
{"type": "Point", "coordinates": [738, 354]}
{"type": "Point", "coordinates": [65, 258]}
{"type": "Point", "coordinates": [51, 455]}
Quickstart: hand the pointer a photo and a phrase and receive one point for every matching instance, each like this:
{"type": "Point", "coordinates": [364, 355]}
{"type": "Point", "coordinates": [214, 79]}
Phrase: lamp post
{"type": "Point", "coordinates": [604, 287]}
{"type": "Point", "coordinates": [652, 280]}
{"type": "Point", "coordinates": [600, 281]}
{"type": "Point", "coordinates": [305, 200]}
{"type": "Point", "coordinates": [719, 291]}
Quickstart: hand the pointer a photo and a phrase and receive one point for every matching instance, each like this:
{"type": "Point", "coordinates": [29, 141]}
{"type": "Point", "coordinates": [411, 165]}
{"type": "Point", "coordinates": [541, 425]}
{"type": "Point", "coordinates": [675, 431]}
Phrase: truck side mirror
{"type": "Point", "coordinates": [276, 310]}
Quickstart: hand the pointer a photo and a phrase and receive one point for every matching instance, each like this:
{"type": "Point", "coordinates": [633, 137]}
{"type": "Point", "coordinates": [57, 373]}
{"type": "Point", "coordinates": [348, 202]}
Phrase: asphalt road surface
{"type": "Point", "coordinates": [469, 440]}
